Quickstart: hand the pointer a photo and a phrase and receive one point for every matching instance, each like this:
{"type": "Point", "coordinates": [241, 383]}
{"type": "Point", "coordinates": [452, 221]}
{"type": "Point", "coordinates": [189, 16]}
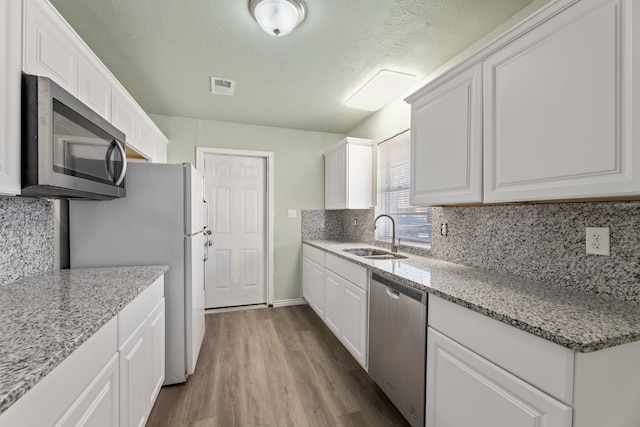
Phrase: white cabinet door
{"type": "Point", "coordinates": [557, 112]}
{"type": "Point", "coordinates": [348, 171]}
{"type": "Point", "coordinates": [94, 89]}
{"type": "Point", "coordinates": [340, 177]}
{"type": "Point", "coordinates": [98, 405]}
{"type": "Point", "coordinates": [10, 50]}
{"type": "Point", "coordinates": [464, 389]}
{"type": "Point", "coordinates": [332, 285]}
{"type": "Point", "coordinates": [446, 142]}
{"type": "Point", "coordinates": [124, 116]}
{"type": "Point", "coordinates": [313, 285]}
{"type": "Point", "coordinates": [144, 138]}
{"type": "Point", "coordinates": [134, 378]}
{"type": "Point", "coordinates": [156, 344]}
{"type": "Point", "coordinates": [335, 190]}
{"type": "Point", "coordinates": [160, 148]}
{"type": "Point", "coordinates": [47, 49]}
{"type": "Point", "coordinates": [353, 320]}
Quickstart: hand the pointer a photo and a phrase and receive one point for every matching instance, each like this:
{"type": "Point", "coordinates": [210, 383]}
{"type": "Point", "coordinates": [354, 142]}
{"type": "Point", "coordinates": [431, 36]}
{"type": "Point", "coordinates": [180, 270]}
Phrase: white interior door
{"type": "Point", "coordinates": [236, 190]}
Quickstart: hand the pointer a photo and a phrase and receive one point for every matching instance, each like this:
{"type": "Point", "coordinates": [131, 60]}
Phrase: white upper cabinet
{"type": "Point", "coordinates": [446, 141]}
{"type": "Point", "coordinates": [160, 148]}
{"type": "Point", "coordinates": [49, 50]}
{"type": "Point", "coordinates": [123, 115]}
{"type": "Point", "coordinates": [348, 172]}
{"type": "Point", "coordinates": [94, 89]}
{"type": "Point", "coordinates": [10, 51]}
{"type": "Point", "coordinates": [558, 108]}
{"type": "Point", "coordinates": [53, 49]}
{"type": "Point", "coordinates": [550, 104]}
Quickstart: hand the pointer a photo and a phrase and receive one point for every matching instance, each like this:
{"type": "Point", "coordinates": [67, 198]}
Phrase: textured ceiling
{"type": "Point", "coordinates": [164, 52]}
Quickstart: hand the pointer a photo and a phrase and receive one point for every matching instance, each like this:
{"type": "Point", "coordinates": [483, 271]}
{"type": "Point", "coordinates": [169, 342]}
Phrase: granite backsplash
{"type": "Point", "coordinates": [542, 242]}
{"type": "Point", "coordinates": [26, 237]}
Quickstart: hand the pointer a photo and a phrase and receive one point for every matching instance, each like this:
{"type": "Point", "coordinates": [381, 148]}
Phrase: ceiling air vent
{"type": "Point", "coordinates": [221, 86]}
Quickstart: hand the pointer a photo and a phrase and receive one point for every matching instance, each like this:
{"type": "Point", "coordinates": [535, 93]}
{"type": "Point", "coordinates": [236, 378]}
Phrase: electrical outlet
{"type": "Point", "coordinates": [293, 213]}
{"type": "Point", "coordinates": [444, 229]}
{"type": "Point", "coordinates": [598, 240]}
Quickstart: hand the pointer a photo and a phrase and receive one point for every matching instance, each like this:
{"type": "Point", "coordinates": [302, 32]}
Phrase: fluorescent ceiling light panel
{"type": "Point", "coordinates": [381, 90]}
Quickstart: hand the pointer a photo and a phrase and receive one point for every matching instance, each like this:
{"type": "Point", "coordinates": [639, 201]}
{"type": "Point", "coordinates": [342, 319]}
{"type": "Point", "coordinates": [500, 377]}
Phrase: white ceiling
{"type": "Point", "coordinates": [164, 52]}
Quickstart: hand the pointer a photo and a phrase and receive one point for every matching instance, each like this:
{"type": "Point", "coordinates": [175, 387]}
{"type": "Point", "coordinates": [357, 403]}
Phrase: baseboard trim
{"type": "Point", "coordinates": [288, 302]}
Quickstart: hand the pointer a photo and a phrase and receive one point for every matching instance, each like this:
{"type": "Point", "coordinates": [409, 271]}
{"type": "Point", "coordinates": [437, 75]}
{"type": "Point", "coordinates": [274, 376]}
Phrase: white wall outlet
{"type": "Point", "coordinates": [444, 229]}
{"type": "Point", "coordinates": [598, 240]}
{"type": "Point", "coordinates": [293, 213]}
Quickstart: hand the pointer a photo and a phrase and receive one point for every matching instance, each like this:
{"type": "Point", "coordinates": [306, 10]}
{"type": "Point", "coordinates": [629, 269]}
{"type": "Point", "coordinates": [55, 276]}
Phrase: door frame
{"type": "Point", "coordinates": [269, 158]}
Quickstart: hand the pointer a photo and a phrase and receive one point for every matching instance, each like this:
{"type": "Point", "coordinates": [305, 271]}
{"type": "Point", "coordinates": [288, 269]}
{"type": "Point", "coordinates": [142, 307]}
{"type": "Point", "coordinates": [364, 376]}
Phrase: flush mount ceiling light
{"type": "Point", "coordinates": [380, 90]}
{"type": "Point", "coordinates": [277, 17]}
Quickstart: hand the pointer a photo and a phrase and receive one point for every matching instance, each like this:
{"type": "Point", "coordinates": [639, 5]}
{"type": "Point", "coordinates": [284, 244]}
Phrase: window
{"type": "Point", "coordinates": [413, 224]}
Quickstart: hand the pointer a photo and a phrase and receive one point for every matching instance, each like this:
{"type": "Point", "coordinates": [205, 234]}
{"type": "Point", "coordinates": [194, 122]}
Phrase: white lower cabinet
{"type": "Point", "coordinates": [354, 331]}
{"type": "Point", "coordinates": [113, 379]}
{"type": "Point", "coordinates": [345, 313]}
{"type": "Point", "coordinates": [135, 374]}
{"type": "Point", "coordinates": [342, 287]}
{"type": "Point", "coordinates": [464, 389]}
{"type": "Point", "coordinates": [157, 345]}
{"type": "Point", "coordinates": [142, 368]}
{"type": "Point", "coordinates": [332, 285]}
{"type": "Point", "coordinates": [81, 389]}
{"type": "Point", "coordinates": [98, 404]}
{"type": "Point", "coordinates": [141, 351]}
{"type": "Point", "coordinates": [485, 373]}
{"type": "Point", "coordinates": [313, 278]}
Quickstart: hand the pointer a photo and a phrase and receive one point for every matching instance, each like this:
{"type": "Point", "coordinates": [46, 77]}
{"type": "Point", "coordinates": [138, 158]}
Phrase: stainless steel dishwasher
{"type": "Point", "coordinates": [397, 344]}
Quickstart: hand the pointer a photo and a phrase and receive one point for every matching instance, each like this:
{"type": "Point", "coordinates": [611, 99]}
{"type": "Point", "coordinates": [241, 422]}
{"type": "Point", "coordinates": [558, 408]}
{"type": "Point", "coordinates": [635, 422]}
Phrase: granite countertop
{"type": "Point", "coordinates": [44, 318]}
{"type": "Point", "coordinates": [578, 320]}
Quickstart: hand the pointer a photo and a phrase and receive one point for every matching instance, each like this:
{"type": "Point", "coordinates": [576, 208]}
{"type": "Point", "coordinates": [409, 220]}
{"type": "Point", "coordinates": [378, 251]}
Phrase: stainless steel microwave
{"type": "Point", "coordinates": [68, 151]}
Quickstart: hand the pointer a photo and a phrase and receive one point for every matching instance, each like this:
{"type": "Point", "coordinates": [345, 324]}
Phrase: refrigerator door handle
{"type": "Point", "coordinates": [206, 218]}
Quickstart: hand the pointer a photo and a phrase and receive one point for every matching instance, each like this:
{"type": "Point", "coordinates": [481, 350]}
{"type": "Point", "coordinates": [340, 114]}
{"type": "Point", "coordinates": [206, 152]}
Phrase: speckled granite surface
{"type": "Point", "coordinates": [546, 243]}
{"type": "Point", "coordinates": [26, 237]}
{"type": "Point", "coordinates": [321, 224]}
{"type": "Point", "coordinates": [44, 318]}
{"type": "Point", "coordinates": [578, 320]}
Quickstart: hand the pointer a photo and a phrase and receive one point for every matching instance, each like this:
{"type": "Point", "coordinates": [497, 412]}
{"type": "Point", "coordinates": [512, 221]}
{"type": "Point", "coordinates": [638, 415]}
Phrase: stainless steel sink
{"type": "Point", "coordinates": [371, 253]}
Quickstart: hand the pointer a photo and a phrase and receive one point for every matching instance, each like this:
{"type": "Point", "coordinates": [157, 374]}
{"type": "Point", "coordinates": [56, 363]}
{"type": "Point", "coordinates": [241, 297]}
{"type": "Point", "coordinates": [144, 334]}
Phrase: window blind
{"type": "Point", "coordinates": [413, 224]}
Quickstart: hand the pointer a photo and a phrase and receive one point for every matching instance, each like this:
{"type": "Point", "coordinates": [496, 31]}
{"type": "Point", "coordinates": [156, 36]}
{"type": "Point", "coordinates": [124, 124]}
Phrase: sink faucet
{"type": "Point", "coordinates": [394, 247]}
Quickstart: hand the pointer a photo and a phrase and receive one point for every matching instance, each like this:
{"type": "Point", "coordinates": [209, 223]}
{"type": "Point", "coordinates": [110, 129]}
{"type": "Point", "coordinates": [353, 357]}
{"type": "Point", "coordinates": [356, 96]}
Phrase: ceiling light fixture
{"type": "Point", "coordinates": [379, 91]}
{"type": "Point", "coordinates": [277, 17]}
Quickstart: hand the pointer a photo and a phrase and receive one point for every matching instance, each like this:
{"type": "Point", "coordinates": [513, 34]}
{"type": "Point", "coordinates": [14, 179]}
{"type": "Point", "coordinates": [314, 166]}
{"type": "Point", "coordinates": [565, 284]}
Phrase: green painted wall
{"type": "Point", "coordinates": [298, 176]}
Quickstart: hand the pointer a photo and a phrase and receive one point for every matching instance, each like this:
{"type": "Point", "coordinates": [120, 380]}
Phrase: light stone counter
{"type": "Point", "coordinates": [44, 318]}
{"type": "Point", "coordinates": [578, 320]}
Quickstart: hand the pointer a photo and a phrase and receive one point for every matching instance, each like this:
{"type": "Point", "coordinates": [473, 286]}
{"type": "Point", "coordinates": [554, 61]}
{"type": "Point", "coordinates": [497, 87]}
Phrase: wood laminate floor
{"type": "Point", "coordinates": [273, 367]}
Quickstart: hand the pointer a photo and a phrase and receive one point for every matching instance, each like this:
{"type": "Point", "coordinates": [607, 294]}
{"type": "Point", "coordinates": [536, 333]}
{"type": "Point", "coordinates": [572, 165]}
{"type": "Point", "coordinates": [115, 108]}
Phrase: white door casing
{"type": "Point", "coordinates": [239, 190]}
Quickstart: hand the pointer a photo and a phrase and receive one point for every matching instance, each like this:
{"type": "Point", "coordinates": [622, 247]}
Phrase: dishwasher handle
{"type": "Point", "coordinates": [393, 294]}
{"type": "Point", "coordinates": [399, 288]}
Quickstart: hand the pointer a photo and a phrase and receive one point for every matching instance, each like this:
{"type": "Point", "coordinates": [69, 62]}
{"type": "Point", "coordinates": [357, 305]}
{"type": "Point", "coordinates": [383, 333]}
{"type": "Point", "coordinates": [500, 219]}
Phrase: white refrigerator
{"type": "Point", "coordinates": [162, 220]}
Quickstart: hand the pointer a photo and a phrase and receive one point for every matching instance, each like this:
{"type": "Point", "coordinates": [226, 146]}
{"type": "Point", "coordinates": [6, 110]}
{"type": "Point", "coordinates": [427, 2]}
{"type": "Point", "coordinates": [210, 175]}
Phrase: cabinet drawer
{"type": "Point", "coordinates": [133, 314]}
{"type": "Point", "coordinates": [350, 271]}
{"type": "Point", "coordinates": [541, 363]}
{"type": "Point", "coordinates": [314, 254]}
